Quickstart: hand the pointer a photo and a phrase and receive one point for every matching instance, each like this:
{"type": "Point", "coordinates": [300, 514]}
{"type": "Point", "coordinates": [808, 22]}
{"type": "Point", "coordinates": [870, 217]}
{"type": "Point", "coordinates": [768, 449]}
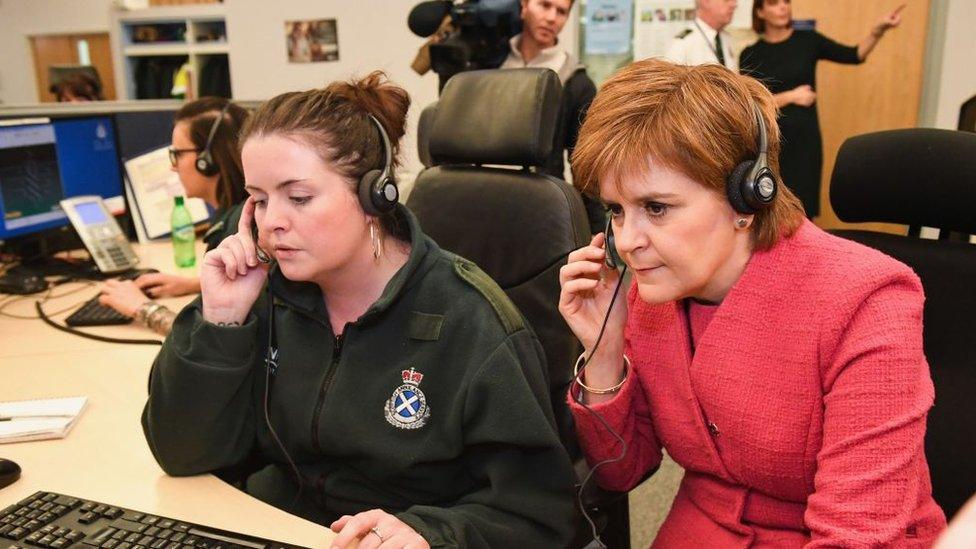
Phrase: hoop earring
{"type": "Point", "coordinates": [375, 240]}
{"type": "Point", "coordinates": [742, 223]}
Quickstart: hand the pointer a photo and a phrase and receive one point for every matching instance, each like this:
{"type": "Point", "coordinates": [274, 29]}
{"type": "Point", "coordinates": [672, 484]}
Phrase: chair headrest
{"type": "Point", "coordinates": [423, 134]}
{"type": "Point", "coordinates": [505, 117]}
{"type": "Point", "coordinates": [920, 176]}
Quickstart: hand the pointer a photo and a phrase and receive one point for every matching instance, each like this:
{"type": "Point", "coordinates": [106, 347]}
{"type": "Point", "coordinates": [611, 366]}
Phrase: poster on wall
{"type": "Point", "coordinates": [656, 22]}
{"type": "Point", "coordinates": [607, 27]}
{"type": "Point", "coordinates": [312, 41]}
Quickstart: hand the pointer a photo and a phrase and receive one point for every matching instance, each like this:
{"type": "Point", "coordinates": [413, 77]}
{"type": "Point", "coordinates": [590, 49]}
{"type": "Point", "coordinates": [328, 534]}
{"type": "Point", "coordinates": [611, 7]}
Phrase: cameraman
{"type": "Point", "coordinates": [537, 47]}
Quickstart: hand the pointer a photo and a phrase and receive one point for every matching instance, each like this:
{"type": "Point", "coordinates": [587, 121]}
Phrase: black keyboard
{"type": "Point", "coordinates": [56, 521]}
{"type": "Point", "coordinates": [93, 313]}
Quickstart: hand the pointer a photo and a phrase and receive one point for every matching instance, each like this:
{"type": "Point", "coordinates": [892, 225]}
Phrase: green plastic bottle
{"type": "Point", "coordinates": [184, 249]}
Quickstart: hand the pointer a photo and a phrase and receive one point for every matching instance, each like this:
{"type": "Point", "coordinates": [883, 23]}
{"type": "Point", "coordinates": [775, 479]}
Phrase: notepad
{"type": "Point", "coordinates": [40, 419]}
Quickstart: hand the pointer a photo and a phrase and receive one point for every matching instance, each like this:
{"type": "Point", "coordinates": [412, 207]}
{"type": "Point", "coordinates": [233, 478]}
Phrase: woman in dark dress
{"type": "Point", "coordinates": [786, 61]}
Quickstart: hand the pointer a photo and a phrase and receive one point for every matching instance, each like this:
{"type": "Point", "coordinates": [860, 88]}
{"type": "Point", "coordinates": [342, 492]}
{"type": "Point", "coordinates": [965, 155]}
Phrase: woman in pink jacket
{"type": "Point", "coordinates": [780, 366]}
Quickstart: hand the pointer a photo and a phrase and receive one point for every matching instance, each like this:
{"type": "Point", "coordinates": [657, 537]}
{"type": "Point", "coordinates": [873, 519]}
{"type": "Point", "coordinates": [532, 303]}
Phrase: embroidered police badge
{"type": "Point", "coordinates": [407, 408]}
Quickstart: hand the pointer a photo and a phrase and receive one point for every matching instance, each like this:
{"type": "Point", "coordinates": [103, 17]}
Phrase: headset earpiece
{"type": "Point", "coordinates": [734, 186]}
{"type": "Point", "coordinates": [612, 258]}
{"type": "Point", "coordinates": [205, 163]}
{"type": "Point", "coordinates": [378, 192]}
{"type": "Point", "coordinates": [751, 185]}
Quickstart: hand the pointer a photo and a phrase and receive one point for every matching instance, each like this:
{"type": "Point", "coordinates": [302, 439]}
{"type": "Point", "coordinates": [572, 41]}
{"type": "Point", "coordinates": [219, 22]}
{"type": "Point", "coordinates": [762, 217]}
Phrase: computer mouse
{"type": "Point", "coordinates": [9, 472]}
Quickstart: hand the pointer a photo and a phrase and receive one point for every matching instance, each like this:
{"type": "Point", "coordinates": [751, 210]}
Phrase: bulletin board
{"type": "Point", "coordinates": [657, 22]}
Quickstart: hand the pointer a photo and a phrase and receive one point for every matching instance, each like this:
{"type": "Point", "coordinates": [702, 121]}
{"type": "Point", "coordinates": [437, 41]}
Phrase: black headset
{"type": "Point", "coordinates": [205, 163]}
{"type": "Point", "coordinates": [378, 192]}
{"type": "Point", "coordinates": [750, 187]}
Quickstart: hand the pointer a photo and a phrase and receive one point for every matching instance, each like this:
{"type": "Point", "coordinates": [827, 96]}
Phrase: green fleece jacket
{"type": "Point", "coordinates": [432, 406]}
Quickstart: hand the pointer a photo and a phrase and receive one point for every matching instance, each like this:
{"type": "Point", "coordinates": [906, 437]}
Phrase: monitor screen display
{"type": "Point", "coordinates": [41, 164]}
{"type": "Point", "coordinates": [90, 213]}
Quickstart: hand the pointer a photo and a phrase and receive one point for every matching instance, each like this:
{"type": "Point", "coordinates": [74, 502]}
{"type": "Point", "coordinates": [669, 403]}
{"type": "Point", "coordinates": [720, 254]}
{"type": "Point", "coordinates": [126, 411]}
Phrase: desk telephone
{"type": "Point", "coordinates": [100, 233]}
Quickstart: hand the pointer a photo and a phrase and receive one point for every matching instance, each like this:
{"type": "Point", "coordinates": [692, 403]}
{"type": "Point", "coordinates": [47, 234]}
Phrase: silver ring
{"type": "Point", "coordinates": [378, 534]}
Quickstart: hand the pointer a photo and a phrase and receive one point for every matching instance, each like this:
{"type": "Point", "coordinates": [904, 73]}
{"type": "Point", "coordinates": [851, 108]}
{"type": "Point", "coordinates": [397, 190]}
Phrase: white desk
{"type": "Point", "coordinates": [105, 457]}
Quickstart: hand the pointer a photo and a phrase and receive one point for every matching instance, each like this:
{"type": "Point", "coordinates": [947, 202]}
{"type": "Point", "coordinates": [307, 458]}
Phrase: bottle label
{"type": "Point", "coordinates": [184, 233]}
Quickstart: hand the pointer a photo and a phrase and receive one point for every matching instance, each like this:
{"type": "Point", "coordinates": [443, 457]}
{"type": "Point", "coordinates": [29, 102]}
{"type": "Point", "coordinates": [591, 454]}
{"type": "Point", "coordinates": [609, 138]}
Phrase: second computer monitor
{"type": "Point", "coordinates": [44, 163]}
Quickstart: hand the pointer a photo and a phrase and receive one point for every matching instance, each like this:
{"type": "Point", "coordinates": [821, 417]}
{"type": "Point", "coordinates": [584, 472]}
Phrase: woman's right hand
{"type": "Point", "coordinates": [804, 95]}
{"type": "Point", "coordinates": [587, 290]}
{"type": "Point", "coordinates": [231, 277]}
{"type": "Point", "coordinates": [122, 295]}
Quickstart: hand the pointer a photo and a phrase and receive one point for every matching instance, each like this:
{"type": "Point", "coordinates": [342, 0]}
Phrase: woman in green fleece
{"type": "Point", "coordinates": [400, 398]}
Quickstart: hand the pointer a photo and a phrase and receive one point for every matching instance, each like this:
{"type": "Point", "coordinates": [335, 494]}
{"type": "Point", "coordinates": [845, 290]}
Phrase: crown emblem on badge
{"type": "Point", "coordinates": [412, 376]}
{"type": "Point", "coordinates": [407, 407]}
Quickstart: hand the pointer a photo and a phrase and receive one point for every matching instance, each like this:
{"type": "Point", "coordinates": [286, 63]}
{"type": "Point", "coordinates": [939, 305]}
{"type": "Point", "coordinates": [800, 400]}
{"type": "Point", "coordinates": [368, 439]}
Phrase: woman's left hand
{"type": "Point", "coordinates": [167, 285]}
{"type": "Point", "coordinates": [123, 296]}
{"type": "Point", "coordinates": [889, 21]}
{"type": "Point", "coordinates": [376, 529]}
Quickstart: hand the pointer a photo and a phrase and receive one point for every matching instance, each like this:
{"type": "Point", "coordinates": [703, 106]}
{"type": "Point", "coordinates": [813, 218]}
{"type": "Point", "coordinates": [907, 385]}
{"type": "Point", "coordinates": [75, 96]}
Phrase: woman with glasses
{"type": "Point", "coordinates": [213, 174]}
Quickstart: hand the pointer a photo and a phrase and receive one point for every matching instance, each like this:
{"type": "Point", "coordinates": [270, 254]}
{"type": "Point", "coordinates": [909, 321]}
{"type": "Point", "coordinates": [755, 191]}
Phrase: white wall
{"type": "Point", "coordinates": [372, 35]}
{"type": "Point", "coordinates": [742, 18]}
{"type": "Point", "coordinates": [20, 19]}
{"type": "Point", "coordinates": [957, 77]}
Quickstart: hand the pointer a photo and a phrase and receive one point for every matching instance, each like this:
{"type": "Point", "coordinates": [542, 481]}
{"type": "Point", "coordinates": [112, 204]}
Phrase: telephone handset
{"type": "Point", "coordinates": [100, 233]}
{"type": "Point", "coordinates": [612, 258]}
{"type": "Point", "coordinates": [263, 256]}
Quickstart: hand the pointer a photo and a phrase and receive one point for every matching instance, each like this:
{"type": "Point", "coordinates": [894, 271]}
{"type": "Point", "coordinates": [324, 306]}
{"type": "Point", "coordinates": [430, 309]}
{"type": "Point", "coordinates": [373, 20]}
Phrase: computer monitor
{"type": "Point", "coordinates": [43, 162]}
{"type": "Point", "coordinates": [143, 131]}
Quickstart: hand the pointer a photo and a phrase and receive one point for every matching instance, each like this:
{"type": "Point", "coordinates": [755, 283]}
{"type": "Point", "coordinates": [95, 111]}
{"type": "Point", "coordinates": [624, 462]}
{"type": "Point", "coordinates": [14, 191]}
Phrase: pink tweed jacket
{"type": "Point", "coordinates": [800, 418]}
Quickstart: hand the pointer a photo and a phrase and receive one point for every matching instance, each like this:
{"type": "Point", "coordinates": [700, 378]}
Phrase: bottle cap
{"type": "Point", "coordinates": [179, 200]}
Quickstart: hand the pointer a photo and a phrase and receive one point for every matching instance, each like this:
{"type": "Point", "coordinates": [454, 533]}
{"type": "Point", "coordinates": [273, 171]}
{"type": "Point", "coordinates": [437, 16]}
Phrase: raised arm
{"type": "Point", "coordinates": [887, 22]}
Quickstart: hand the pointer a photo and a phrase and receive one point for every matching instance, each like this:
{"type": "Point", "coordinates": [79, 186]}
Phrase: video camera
{"type": "Point", "coordinates": [464, 34]}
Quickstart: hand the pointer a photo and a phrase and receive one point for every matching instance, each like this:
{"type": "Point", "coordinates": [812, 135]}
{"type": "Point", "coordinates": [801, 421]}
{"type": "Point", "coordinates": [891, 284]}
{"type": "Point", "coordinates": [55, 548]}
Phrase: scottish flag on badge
{"type": "Point", "coordinates": [407, 408]}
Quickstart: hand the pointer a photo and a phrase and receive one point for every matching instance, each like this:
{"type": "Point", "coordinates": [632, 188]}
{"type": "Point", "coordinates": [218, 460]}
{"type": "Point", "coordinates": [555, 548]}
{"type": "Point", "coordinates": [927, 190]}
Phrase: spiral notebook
{"type": "Point", "coordinates": [39, 419]}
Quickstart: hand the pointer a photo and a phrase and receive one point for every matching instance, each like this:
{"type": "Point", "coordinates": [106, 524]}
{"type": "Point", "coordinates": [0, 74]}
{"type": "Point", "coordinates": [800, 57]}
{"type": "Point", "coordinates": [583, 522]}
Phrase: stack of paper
{"type": "Point", "coordinates": [39, 419]}
{"type": "Point", "coordinates": [151, 186]}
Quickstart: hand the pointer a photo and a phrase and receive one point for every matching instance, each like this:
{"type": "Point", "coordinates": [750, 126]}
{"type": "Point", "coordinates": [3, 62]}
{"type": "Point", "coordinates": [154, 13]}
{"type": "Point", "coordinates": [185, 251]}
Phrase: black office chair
{"type": "Point", "coordinates": [517, 224]}
{"type": "Point", "coordinates": [927, 177]}
{"type": "Point", "coordinates": [967, 115]}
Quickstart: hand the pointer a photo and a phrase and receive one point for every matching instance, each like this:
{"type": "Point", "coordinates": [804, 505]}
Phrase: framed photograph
{"type": "Point", "coordinates": [312, 41]}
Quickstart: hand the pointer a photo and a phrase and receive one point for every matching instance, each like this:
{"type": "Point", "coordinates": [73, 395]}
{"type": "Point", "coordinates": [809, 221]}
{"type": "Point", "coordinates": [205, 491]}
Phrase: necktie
{"type": "Point", "coordinates": [718, 48]}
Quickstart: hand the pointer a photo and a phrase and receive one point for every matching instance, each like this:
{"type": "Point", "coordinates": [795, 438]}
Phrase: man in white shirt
{"type": "Point", "coordinates": [704, 40]}
{"type": "Point", "coordinates": [537, 47]}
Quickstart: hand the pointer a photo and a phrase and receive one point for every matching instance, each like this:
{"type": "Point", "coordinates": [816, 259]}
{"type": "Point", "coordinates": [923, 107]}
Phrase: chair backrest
{"type": "Point", "coordinates": [516, 224]}
{"type": "Point", "coordinates": [926, 177]}
{"type": "Point", "coordinates": [967, 115]}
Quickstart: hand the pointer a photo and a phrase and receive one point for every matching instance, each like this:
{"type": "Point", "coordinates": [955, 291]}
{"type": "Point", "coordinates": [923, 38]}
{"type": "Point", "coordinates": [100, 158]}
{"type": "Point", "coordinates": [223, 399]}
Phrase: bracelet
{"type": "Point", "coordinates": [160, 320]}
{"type": "Point", "coordinates": [608, 390]}
{"type": "Point", "coordinates": [145, 310]}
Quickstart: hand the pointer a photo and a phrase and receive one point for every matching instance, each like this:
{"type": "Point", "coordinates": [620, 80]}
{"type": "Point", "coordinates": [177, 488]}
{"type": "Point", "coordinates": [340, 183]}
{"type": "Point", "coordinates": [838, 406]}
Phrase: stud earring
{"type": "Point", "coordinates": [742, 223]}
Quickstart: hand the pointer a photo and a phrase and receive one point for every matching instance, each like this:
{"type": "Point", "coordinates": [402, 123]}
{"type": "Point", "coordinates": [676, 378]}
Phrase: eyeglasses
{"type": "Point", "coordinates": [174, 154]}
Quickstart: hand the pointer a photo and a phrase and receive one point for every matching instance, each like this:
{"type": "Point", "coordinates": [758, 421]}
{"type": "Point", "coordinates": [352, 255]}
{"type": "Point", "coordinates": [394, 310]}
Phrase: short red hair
{"type": "Point", "coordinates": [699, 120]}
